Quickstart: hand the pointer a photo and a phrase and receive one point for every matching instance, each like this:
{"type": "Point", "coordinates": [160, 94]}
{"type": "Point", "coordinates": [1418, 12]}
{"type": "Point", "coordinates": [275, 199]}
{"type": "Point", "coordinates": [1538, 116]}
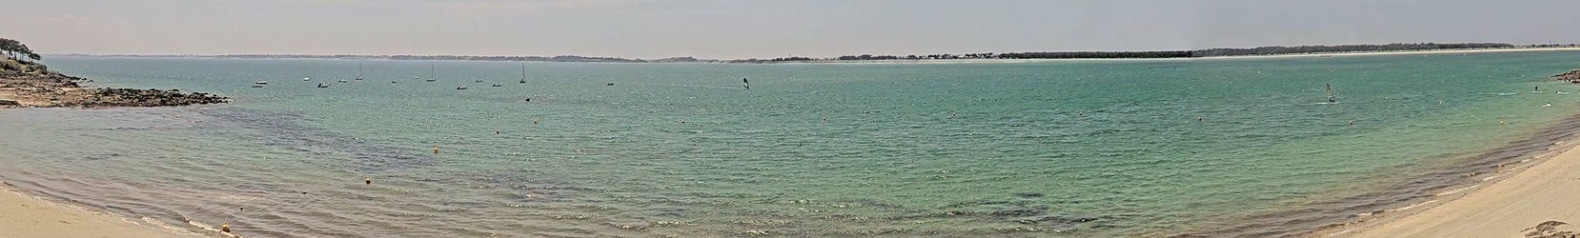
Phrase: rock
{"type": "Point", "coordinates": [56, 90]}
{"type": "Point", "coordinates": [1549, 229]}
{"type": "Point", "coordinates": [1572, 76]}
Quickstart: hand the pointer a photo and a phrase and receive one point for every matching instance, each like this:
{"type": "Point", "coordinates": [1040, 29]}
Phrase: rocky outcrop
{"type": "Point", "coordinates": [1572, 76]}
{"type": "Point", "coordinates": [57, 90]}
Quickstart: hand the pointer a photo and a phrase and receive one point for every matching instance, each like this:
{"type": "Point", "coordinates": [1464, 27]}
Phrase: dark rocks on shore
{"type": "Point", "coordinates": [57, 90]}
{"type": "Point", "coordinates": [125, 97]}
{"type": "Point", "coordinates": [1573, 76]}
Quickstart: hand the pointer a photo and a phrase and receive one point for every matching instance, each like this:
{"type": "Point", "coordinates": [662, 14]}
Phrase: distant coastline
{"type": "Point", "coordinates": [1266, 51]}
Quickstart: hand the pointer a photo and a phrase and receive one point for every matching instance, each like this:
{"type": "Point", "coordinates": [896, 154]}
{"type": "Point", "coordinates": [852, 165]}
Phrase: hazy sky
{"type": "Point", "coordinates": [760, 28]}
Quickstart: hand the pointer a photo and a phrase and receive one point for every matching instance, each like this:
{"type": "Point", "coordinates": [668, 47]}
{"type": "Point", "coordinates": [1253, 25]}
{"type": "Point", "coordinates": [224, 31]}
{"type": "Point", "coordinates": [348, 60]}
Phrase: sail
{"type": "Point", "coordinates": [1329, 93]}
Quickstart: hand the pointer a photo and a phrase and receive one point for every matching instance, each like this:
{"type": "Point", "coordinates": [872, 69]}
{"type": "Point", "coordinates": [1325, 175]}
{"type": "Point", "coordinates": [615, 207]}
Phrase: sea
{"type": "Point", "coordinates": [1233, 147]}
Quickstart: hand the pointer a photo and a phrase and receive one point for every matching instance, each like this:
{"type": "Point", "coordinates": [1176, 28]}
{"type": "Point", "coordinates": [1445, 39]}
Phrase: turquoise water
{"type": "Point", "coordinates": [1048, 149]}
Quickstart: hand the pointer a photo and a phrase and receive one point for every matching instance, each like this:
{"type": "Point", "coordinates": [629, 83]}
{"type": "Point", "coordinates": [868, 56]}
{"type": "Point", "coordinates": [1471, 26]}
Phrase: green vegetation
{"type": "Point", "coordinates": [17, 57]}
{"type": "Point", "coordinates": [15, 50]}
{"type": "Point", "coordinates": [1280, 50]}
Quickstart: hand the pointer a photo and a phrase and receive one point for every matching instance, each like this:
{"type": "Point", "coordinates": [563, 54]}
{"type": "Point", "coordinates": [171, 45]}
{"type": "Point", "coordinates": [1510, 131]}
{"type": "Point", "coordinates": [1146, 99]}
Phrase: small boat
{"type": "Point", "coordinates": [609, 84]}
{"type": "Point", "coordinates": [431, 76]}
{"type": "Point", "coordinates": [343, 81]}
{"type": "Point", "coordinates": [497, 85]}
{"type": "Point", "coordinates": [257, 86]}
{"type": "Point", "coordinates": [393, 81]}
{"type": "Point", "coordinates": [323, 85]}
{"type": "Point", "coordinates": [479, 80]}
{"type": "Point", "coordinates": [307, 79]}
{"type": "Point", "coordinates": [460, 88]}
{"type": "Point", "coordinates": [261, 82]}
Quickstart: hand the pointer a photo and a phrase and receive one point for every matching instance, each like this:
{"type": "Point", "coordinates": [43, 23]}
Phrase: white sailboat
{"type": "Point", "coordinates": [431, 76]}
{"type": "Point", "coordinates": [359, 71]}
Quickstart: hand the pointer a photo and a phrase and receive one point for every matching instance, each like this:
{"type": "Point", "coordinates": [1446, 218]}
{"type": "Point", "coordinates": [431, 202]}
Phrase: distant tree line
{"type": "Point", "coordinates": [17, 51]}
{"type": "Point", "coordinates": [1279, 50]}
{"type": "Point", "coordinates": [1270, 50]}
{"type": "Point", "coordinates": [562, 58]}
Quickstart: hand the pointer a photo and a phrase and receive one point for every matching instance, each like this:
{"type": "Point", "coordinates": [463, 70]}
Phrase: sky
{"type": "Point", "coordinates": [739, 29]}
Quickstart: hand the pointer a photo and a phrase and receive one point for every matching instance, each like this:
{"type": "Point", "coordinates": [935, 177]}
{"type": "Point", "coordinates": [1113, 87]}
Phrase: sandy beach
{"type": "Point", "coordinates": [1516, 202]}
{"type": "Point", "coordinates": [25, 216]}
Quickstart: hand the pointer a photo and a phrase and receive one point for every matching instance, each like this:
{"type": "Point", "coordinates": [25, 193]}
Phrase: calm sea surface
{"type": "Point", "coordinates": [1051, 149]}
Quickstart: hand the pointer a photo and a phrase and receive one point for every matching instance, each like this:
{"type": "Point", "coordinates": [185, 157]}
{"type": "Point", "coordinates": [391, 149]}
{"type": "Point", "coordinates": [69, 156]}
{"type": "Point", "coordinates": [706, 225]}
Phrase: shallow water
{"type": "Point", "coordinates": [1056, 149]}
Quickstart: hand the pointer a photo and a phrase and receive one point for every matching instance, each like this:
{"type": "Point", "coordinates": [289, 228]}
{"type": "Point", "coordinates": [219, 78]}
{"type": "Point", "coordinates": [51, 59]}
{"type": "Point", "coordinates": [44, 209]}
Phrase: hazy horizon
{"type": "Point", "coordinates": [759, 29]}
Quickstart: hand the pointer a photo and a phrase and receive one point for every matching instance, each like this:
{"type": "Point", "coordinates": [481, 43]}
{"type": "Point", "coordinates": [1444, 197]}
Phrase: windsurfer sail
{"type": "Point", "coordinates": [1329, 92]}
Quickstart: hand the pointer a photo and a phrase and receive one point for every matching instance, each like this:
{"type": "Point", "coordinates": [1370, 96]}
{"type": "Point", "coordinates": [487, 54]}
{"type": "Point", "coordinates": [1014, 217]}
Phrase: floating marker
{"type": "Point", "coordinates": [1199, 118]}
{"type": "Point", "coordinates": [368, 180]}
{"type": "Point", "coordinates": [1352, 122]}
{"type": "Point", "coordinates": [225, 227]}
{"type": "Point", "coordinates": [436, 149]}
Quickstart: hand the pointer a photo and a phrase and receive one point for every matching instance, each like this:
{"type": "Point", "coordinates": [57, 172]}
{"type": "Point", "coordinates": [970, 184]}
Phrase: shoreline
{"type": "Point", "coordinates": [890, 61]}
{"type": "Point", "coordinates": [27, 215]}
{"type": "Point", "coordinates": [1457, 188]}
{"type": "Point", "coordinates": [52, 89]}
{"type": "Point", "coordinates": [1417, 193]}
{"type": "Point", "coordinates": [1518, 198]}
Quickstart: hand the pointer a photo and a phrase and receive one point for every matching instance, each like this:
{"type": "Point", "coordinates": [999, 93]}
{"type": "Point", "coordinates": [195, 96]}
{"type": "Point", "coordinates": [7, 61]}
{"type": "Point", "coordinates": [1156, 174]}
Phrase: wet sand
{"type": "Point", "coordinates": [25, 216]}
{"type": "Point", "coordinates": [1512, 204]}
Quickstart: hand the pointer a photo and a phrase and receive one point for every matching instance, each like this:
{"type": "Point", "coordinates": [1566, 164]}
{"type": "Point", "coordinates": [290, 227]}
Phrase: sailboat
{"type": "Point", "coordinates": [359, 71]}
{"type": "Point", "coordinates": [523, 73]}
{"type": "Point", "coordinates": [1331, 98]}
{"type": "Point", "coordinates": [431, 76]}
